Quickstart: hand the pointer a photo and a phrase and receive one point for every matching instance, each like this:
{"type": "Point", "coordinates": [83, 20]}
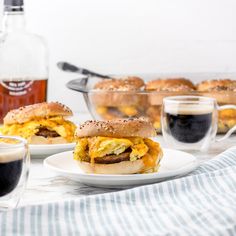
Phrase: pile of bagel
{"type": "Point", "coordinates": [131, 97]}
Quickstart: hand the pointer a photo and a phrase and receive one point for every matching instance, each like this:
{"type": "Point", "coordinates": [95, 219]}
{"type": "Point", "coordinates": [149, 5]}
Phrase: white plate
{"type": "Point", "coordinates": [45, 150]}
{"type": "Point", "coordinates": [173, 163]}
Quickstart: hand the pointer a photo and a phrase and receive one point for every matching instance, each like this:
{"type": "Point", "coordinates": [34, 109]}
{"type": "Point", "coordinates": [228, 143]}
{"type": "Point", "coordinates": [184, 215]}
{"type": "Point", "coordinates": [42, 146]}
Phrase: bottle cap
{"type": "Point", "coordinates": [13, 5]}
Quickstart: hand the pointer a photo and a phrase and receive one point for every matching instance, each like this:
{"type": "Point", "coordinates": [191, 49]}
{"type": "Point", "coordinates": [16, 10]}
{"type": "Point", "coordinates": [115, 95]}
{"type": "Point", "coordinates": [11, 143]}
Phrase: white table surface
{"type": "Point", "coordinates": [44, 185]}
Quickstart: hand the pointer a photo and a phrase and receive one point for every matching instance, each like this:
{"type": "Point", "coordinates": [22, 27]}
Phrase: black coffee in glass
{"type": "Point", "coordinates": [189, 127]}
{"type": "Point", "coordinates": [10, 173]}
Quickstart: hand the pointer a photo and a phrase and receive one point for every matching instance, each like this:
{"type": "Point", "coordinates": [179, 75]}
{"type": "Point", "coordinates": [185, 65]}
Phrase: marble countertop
{"type": "Point", "coordinates": [45, 186]}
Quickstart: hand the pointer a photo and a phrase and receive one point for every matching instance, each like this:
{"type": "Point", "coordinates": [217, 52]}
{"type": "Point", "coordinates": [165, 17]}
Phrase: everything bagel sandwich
{"type": "Point", "coordinates": [224, 91]}
{"type": "Point", "coordinates": [119, 98]}
{"type": "Point", "coordinates": [117, 147]}
{"type": "Point", "coordinates": [161, 88]}
{"type": "Point", "coordinates": [42, 123]}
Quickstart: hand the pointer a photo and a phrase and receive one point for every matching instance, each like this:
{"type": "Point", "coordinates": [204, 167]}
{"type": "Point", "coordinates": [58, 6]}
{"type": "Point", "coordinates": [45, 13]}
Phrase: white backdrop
{"type": "Point", "coordinates": [134, 36]}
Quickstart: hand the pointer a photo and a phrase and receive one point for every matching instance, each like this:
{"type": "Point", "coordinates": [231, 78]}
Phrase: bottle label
{"type": "Point", "coordinates": [17, 88]}
{"type": "Point", "coordinates": [18, 93]}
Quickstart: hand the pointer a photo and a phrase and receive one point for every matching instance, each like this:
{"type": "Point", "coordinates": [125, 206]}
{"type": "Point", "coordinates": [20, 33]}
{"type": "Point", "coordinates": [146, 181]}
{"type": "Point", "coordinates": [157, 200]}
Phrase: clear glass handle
{"type": "Point", "coordinates": [233, 129]}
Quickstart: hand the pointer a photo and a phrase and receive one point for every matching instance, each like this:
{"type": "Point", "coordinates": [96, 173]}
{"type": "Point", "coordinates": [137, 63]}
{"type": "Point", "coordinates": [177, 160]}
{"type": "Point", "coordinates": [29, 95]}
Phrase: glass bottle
{"type": "Point", "coordinates": [23, 61]}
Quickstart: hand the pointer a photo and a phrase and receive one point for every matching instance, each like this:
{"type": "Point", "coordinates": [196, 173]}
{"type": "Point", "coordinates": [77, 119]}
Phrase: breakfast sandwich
{"type": "Point", "coordinates": [161, 88]}
{"type": "Point", "coordinates": [42, 123]}
{"type": "Point", "coordinates": [223, 90]}
{"type": "Point", "coordinates": [119, 98]}
{"type": "Point", "coordinates": [117, 147]}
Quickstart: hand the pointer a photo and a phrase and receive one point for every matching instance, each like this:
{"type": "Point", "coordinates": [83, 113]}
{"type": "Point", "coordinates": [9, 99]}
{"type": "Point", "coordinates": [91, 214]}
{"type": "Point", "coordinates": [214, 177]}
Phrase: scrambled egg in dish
{"type": "Point", "coordinates": [63, 127]}
{"type": "Point", "coordinates": [128, 110]}
{"type": "Point", "coordinates": [96, 147]}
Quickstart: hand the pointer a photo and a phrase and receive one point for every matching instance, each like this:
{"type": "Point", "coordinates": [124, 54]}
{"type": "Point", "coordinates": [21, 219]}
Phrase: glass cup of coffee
{"type": "Point", "coordinates": [14, 170]}
{"type": "Point", "coordinates": [190, 122]}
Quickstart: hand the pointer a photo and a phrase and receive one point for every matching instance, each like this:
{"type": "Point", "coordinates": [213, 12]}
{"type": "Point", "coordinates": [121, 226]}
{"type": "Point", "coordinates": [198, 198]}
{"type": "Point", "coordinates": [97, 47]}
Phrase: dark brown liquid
{"type": "Point", "coordinates": [15, 94]}
{"type": "Point", "coordinates": [10, 173]}
{"type": "Point", "coordinates": [189, 128]}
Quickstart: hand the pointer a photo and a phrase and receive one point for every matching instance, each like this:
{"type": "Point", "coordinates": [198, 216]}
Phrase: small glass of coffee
{"type": "Point", "coordinates": [14, 170]}
{"type": "Point", "coordinates": [190, 122]}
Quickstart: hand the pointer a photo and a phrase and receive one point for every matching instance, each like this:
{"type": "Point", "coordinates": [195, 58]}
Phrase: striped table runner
{"type": "Point", "coordinates": [203, 203]}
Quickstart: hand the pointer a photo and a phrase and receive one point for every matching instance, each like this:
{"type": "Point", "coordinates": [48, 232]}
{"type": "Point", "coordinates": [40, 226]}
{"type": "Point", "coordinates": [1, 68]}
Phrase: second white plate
{"type": "Point", "coordinates": [45, 150]}
{"type": "Point", "coordinates": [173, 163]}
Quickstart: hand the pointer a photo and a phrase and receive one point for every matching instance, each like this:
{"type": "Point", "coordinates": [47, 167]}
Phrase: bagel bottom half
{"type": "Point", "coordinates": [121, 168]}
{"type": "Point", "coordinates": [42, 140]}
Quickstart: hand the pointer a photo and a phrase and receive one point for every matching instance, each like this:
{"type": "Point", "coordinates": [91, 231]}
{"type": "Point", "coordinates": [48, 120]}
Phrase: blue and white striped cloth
{"type": "Point", "coordinates": [203, 203]}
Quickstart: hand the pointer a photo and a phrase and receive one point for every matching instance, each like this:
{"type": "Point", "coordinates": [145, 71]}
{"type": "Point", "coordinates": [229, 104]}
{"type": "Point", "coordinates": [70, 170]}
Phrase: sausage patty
{"type": "Point", "coordinates": [47, 133]}
{"type": "Point", "coordinates": [109, 159]}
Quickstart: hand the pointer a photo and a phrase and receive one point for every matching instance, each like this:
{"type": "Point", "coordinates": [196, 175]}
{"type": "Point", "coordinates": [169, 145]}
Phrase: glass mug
{"type": "Point", "coordinates": [14, 170]}
{"type": "Point", "coordinates": [190, 122]}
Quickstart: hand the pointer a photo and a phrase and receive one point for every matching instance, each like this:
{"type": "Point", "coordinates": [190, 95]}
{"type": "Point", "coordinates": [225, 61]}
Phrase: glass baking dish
{"type": "Point", "coordinates": [107, 105]}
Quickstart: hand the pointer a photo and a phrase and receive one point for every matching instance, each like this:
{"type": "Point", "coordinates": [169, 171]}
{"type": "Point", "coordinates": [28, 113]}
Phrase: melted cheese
{"type": "Point", "coordinates": [26, 130]}
{"type": "Point", "coordinates": [153, 156]}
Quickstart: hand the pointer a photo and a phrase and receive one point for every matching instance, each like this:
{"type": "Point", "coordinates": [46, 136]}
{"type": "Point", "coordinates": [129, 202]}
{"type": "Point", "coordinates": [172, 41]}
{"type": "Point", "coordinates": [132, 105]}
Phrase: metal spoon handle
{"type": "Point", "coordinates": [65, 66]}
